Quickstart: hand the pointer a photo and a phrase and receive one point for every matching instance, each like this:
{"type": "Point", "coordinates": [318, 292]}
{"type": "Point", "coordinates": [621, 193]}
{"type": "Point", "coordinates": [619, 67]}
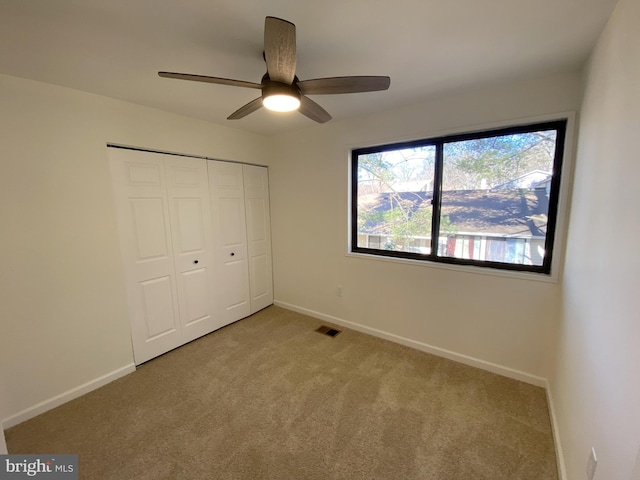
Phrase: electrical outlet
{"type": "Point", "coordinates": [592, 463]}
{"type": "Point", "coordinates": [339, 290]}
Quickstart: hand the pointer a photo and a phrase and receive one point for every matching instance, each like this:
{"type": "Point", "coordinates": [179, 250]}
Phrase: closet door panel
{"type": "Point", "coordinates": [149, 222]}
{"type": "Point", "coordinates": [232, 225]}
{"type": "Point", "coordinates": [192, 235]}
{"type": "Point", "coordinates": [258, 220]}
{"type": "Point", "coordinates": [158, 312]}
{"type": "Point", "coordinates": [197, 301]}
{"type": "Point", "coordinates": [226, 189]}
{"type": "Point", "coordinates": [145, 238]}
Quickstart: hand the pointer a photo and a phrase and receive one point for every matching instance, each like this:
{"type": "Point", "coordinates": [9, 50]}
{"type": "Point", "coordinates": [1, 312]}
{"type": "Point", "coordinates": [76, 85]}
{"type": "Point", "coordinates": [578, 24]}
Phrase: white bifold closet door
{"type": "Point", "coordinates": [165, 228]}
{"type": "Point", "coordinates": [242, 237]}
{"type": "Point", "coordinates": [226, 189]}
{"type": "Point", "coordinates": [256, 192]}
{"type": "Point", "coordinates": [196, 245]}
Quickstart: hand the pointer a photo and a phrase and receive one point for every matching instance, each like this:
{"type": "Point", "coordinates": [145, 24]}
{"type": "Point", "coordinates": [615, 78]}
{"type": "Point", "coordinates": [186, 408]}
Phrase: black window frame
{"type": "Point", "coordinates": [560, 126]}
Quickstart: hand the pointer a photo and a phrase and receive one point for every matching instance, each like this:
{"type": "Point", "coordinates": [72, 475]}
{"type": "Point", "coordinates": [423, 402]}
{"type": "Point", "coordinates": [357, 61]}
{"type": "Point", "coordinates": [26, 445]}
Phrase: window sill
{"type": "Point", "coordinates": [468, 269]}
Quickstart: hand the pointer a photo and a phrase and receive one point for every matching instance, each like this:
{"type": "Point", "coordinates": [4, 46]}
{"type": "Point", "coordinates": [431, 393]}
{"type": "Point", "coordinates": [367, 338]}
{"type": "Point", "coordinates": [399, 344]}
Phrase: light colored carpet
{"type": "Point", "coordinates": [270, 398]}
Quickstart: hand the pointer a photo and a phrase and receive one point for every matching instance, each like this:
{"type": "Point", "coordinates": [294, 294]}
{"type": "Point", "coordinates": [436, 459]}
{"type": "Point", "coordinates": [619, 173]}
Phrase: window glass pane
{"type": "Point", "coordinates": [394, 199]}
{"type": "Point", "coordinates": [495, 198]}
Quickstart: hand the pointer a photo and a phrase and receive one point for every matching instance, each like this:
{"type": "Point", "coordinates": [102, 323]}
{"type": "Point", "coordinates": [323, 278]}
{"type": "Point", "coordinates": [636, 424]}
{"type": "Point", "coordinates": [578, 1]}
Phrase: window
{"type": "Point", "coordinates": [485, 198]}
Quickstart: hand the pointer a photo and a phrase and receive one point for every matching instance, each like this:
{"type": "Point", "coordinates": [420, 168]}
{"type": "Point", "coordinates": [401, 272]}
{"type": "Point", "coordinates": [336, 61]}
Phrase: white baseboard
{"type": "Point", "coordinates": [562, 471]}
{"type": "Point", "coordinates": [64, 397]}
{"type": "Point", "coordinates": [440, 352]}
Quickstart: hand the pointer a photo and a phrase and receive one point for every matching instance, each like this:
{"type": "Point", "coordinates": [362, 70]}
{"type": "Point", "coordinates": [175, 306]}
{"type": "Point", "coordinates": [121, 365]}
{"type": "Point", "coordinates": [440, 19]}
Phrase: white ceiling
{"type": "Point", "coordinates": [427, 47]}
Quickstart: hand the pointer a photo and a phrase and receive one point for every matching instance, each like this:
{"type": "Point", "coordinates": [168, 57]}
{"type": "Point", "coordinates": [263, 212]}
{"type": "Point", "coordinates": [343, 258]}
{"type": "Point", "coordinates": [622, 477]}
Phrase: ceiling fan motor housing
{"type": "Point", "coordinates": [269, 88]}
{"type": "Point", "coordinates": [290, 93]}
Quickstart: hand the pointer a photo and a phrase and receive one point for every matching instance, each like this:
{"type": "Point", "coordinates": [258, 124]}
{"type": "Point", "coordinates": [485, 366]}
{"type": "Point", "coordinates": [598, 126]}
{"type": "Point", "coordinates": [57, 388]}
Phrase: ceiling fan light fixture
{"type": "Point", "coordinates": [281, 103]}
{"type": "Point", "coordinates": [280, 97]}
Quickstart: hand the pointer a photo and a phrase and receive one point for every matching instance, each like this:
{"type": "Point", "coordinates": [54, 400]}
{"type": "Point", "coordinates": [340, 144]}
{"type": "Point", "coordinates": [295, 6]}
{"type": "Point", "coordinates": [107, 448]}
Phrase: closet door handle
{"type": "Point", "coordinates": [232, 254]}
{"type": "Point", "coordinates": [195, 261]}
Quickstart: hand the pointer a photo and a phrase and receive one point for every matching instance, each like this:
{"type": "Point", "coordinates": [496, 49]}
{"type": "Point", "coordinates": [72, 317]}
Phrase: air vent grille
{"type": "Point", "coordinates": [332, 332]}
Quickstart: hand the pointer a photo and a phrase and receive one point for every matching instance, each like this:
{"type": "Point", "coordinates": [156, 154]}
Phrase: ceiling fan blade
{"type": "Point", "coordinates": [280, 49]}
{"type": "Point", "coordinates": [335, 85]}
{"type": "Point", "coordinates": [311, 109]}
{"type": "Point", "coordinates": [204, 78]}
{"type": "Point", "coordinates": [245, 110]}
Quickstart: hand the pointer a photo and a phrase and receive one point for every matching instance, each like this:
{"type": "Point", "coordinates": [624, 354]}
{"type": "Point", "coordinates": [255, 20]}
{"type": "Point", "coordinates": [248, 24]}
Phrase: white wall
{"type": "Point", "coordinates": [63, 313]}
{"type": "Point", "coordinates": [505, 321]}
{"type": "Point", "coordinates": [62, 307]}
{"type": "Point", "coordinates": [596, 388]}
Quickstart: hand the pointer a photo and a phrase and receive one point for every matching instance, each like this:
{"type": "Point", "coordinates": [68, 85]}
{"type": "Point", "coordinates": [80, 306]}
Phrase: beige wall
{"type": "Point", "coordinates": [596, 387]}
{"type": "Point", "coordinates": [64, 320]}
{"type": "Point", "coordinates": [3, 444]}
{"type": "Point", "coordinates": [63, 312]}
{"type": "Point", "coordinates": [506, 321]}
{"type": "Point", "coordinates": [63, 315]}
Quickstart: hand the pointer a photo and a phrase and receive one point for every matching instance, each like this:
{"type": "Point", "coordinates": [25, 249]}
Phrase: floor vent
{"type": "Point", "coordinates": [332, 332]}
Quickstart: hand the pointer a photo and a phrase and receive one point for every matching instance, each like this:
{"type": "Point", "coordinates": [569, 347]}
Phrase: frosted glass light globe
{"type": "Point", "coordinates": [281, 103]}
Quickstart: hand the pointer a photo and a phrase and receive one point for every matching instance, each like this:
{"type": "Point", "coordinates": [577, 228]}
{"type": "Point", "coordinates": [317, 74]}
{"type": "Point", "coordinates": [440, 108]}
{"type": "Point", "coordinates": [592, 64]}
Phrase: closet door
{"type": "Point", "coordinates": [226, 191]}
{"type": "Point", "coordinates": [256, 193]}
{"type": "Point", "coordinates": [192, 235]}
{"type": "Point", "coordinates": [165, 228]}
{"type": "Point", "coordinates": [147, 250]}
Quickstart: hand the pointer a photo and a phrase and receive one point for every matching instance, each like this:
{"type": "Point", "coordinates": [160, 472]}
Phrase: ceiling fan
{"type": "Point", "coordinates": [281, 89]}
